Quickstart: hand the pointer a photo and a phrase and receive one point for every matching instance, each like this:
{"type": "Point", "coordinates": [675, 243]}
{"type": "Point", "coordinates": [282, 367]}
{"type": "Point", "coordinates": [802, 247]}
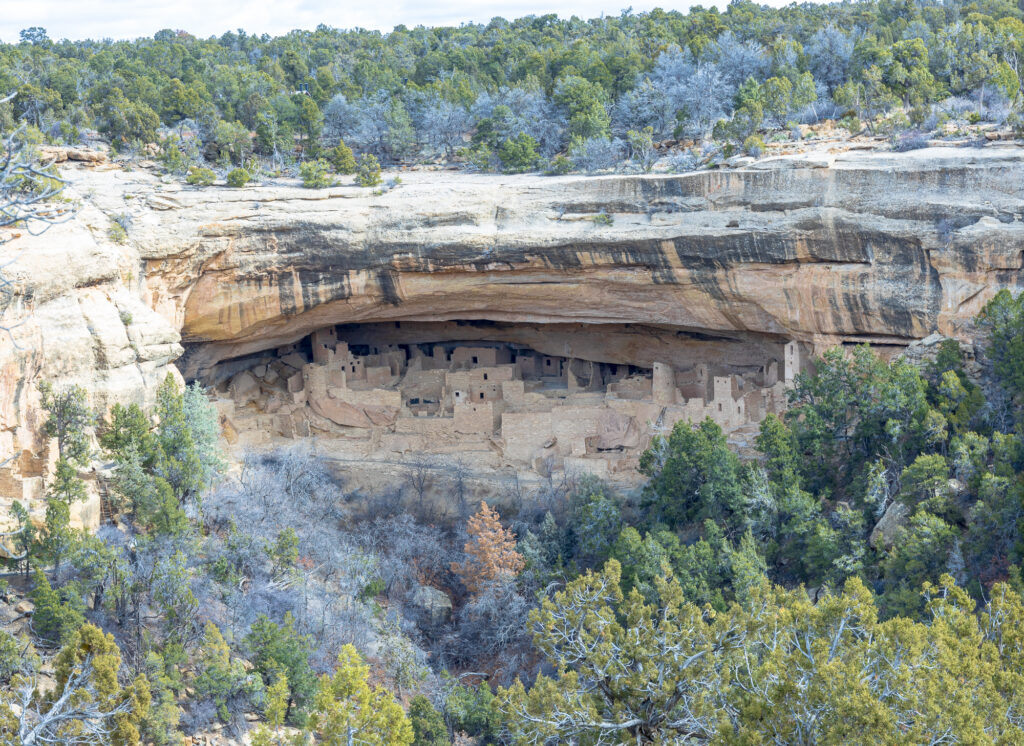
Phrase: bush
{"type": "Point", "coordinates": [238, 178]}
{"type": "Point", "coordinates": [909, 141]}
{"type": "Point", "coordinates": [172, 158]}
{"type": "Point", "coordinates": [117, 233]}
{"type": "Point", "coordinates": [596, 153]}
{"type": "Point", "coordinates": [55, 619]}
{"type": "Point", "coordinates": [684, 161]}
{"type": "Point", "coordinates": [10, 657]}
{"type": "Point", "coordinates": [518, 155]}
{"type": "Point", "coordinates": [368, 170]}
{"type": "Point", "coordinates": [478, 157]}
{"type": "Point", "coordinates": [199, 176]}
{"type": "Point", "coordinates": [754, 145]}
{"type": "Point", "coordinates": [316, 174]}
{"type": "Point", "coordinates": [558, 166]}
{"type": "Point", "coordinates": [427, 724]}
{"type": "Point", "coordinates": [341, 158]}
{"type": "Point", "coordinates": [850, 123]}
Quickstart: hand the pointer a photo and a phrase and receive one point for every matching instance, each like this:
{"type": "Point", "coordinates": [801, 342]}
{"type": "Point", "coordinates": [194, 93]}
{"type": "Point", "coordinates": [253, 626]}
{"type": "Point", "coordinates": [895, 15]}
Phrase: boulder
{"type": "Point", "coordinates": [244, 388]}
{"type": "Point", "coordinates": [433, 604]}
{"type": "Point", "coordinates": [885, 532]}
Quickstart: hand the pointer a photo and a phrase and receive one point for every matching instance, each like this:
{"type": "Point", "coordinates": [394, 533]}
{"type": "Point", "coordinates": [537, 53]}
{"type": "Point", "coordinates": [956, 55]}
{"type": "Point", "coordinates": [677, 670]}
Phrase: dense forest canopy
{"type": "Point", "coordinates": [526, 89]}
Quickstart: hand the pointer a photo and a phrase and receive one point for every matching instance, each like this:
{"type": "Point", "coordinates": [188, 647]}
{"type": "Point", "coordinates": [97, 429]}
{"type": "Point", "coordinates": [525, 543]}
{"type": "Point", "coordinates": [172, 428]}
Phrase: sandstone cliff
{"type": "Point", "coordinates": [822, 248]}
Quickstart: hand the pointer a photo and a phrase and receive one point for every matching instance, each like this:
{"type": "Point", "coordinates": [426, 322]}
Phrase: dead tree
{"type": "Point", "coordinates": [28, 189]}
{"type": "Point", "coordinates": [79, 705]}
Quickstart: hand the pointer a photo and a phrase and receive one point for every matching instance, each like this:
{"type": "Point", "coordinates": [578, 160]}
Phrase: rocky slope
{"type": "Point", "coordinates": [823, 248]}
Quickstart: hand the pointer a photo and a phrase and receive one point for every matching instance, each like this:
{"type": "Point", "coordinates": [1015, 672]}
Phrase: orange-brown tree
{"type": "Point", "coordinates": [491, 551]}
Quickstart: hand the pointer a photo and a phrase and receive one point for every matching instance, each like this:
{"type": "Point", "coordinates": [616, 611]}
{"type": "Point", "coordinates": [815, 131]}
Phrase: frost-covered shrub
{"type": "Point", "coordinates": [596, 153]}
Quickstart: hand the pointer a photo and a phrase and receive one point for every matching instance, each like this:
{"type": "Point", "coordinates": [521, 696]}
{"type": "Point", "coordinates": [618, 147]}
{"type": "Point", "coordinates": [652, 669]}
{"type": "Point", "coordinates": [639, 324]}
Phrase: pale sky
{"type": "Point", "coordinates": [120, 19]}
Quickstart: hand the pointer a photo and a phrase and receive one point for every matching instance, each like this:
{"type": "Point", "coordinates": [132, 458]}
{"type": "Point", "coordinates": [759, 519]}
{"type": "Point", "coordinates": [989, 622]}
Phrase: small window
{"type": "Point", "coordinates": [485, 376]}
{"type": "Point", "coordinates": [481, 394]}
{"type": "Point", "coordinates": [474, 360]}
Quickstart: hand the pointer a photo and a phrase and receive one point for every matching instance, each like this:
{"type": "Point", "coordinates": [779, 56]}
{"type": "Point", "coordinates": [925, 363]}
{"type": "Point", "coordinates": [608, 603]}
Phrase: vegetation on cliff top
{"type": "Point", "coordinates": [515, 94]}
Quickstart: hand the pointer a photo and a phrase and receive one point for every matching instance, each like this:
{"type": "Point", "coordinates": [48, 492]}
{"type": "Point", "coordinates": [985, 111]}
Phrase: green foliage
{"type": "Point", "coordinates": [341, 158]}
{"type": "Point", "coordinates": [427, 724]}
{"type": "Point", "coordinates": [10, 657]}
{"type": "Point", "coordinates": [693, 476]}
{"type": "Point", "coordinates": [316, 174]}
{"type": "Point", "coordinates": [90, 644]}
{"type": "Point", "coordinates": [641, 148]}
{"type": "Point", "coordinates": [280, 650]}
{"type": "Point", "coordinates": [218, 677]}
{"type": "Point", "coordinates": [348, 710]}
{"type": "Point", "coordinates": [473, 710]}
{"type": "Point", "coordinates": [68, 418]}
{"type": "Point", "coordinates": [854, 407]}
{"type": "Point", "coordinates": [159, 725]}
{"type": "Point", "coordinates": [479, 157]}
{"type": "Point", "coordinates": [519, 154]}
{"type": "Point", "coordinates": [284, 552]}
{"type": "Point", "coordinates": [238, 178]}
{"type": "Point", "coordinates": [200, 176]}
{"type": "Point", "coordinates": [754, 146]}
{"type": "Point", "coordinates": [558, 166]}
{"type": "Point", "coordinates": [1003, 317]}
{"type": "Point", "coordinates": [920, 553]}
{"type": "Point", "coordinates": [368, 170]}
{"type": "Point", "coordinates": [784, 668]}
{"type": "Point", "coordinates": [56, 617]}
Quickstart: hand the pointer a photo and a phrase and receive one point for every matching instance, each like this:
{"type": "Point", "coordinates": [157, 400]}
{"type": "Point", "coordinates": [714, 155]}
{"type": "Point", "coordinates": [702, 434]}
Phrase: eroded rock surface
{"type": "Point", "coordinates": [823, 248]}
{"type": "Point", "coordinates": [881, 247]}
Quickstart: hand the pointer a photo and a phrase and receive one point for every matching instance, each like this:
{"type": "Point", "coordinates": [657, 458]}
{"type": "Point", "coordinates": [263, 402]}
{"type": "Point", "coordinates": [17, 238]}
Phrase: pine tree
{"type": "Point", "coordinates": [491, 551]}
{"type": "Point", "coordinates": [348, 710]}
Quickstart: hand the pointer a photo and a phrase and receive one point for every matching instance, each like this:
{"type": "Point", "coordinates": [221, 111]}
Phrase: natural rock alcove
{"type": "Point", "coordinates": [538, 397]}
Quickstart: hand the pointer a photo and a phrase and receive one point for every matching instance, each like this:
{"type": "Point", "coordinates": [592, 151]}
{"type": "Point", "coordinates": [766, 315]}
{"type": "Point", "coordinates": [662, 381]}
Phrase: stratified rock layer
{"type": "Point", "coordinates": [859, 246]}
{"type": "Point", "coordinates": [826, 248]}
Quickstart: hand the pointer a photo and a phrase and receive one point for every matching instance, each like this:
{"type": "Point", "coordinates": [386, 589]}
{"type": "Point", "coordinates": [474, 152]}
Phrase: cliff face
{"type": "Point", "coordinates": [877, 247]}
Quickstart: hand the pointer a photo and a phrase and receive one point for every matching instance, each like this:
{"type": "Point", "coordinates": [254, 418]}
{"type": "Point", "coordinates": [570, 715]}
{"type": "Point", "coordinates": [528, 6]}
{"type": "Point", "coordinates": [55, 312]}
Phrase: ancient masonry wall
{"type": "Point", "coordinates": [538, 411]}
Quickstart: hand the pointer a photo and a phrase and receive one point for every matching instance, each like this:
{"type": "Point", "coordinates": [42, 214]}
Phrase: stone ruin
{"type": "Point", "coordinates": [536, 411]}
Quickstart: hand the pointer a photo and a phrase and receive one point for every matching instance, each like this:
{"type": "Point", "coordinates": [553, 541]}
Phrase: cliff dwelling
{"type": "Point", "coordinates": [485, 387]}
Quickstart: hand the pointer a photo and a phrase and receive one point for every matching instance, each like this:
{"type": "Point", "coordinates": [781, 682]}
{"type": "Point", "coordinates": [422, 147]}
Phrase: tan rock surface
{"type": "Point", "coordinates": [821, 248]}
{"type": "Point", "coordinates": [883, 247]}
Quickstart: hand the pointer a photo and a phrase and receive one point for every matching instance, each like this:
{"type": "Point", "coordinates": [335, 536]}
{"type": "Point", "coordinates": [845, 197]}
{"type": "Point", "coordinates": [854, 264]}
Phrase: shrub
{"type": "Point", "coordinates": [341, 158]}
{"type": "Point", "coordinates": [316, 174]}
{"type": "Point", "coordinates": [684, 161]}
{"type": "Point", "coordinates": [478, 157]}
{"type": "Point", "coordinates": [754, 145]}
{"type": "Point", "coordinates": [117, 233]}
{"type": "Point", "coordinates": [10, 657]}
{"type": "Point", "coordinates": [596, 153]}
{"type": "Point", "coordinates": [238, 178]}
{"type": "Point", "coordinates": [558, 165]}
{"type": "Point", "coordinates": [172, 158]}
{"type": "Point", "coordinates": [427, 724]}
{"type": "Point", "coordinates": [55, 619]}
{"type": "Point", "coordinates": [909, 141]}
{"type": "Point", "coordinates": [368, 170]}
{"type": "Point", "coordinates": [519, 154]}
{"type": "Point", "coordinates": [199, 176]}
{"type": "Point", "coordinates": [850, 123]}
{"type": "Point", "coordinates": [603, 218]}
